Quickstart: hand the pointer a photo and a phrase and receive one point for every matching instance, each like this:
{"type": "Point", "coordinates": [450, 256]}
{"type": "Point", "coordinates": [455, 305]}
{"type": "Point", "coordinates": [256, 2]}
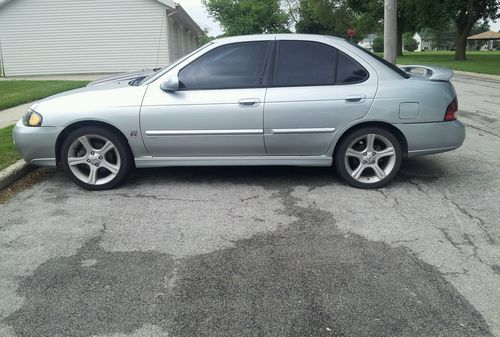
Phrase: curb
{"type": "Point", "coordinates": [477, 75]}
{"type": "Point", "coordinates": [14, 172]}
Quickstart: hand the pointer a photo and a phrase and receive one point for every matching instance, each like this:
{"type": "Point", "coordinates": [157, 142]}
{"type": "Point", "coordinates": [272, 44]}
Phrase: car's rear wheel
{"type": "Point", "coordinates": [369, 157]}
{"type": "Point", "coordinates": [95, 158]}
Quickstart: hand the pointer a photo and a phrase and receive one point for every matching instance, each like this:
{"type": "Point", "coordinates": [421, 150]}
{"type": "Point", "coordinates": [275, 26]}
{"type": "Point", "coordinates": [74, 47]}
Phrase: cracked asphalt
{"type": "Point", "coordinates": [277, 251]}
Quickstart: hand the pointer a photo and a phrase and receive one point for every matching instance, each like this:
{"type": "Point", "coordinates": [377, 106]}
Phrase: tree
{"type": "Point", "coordinates": [329, 17]}
{"type": "Point", "coordinates": [465, 14]}
{"type": "Point", "coordinates": [378, 45]}
{"type": "Point", "coordinates": [409, 43]}
{"type": "Point", "coordinates": [242, 17]}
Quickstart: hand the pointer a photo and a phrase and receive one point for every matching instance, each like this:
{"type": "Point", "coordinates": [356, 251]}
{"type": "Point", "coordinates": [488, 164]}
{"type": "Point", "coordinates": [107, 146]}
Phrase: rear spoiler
{"type": "Point", "coordinates": [429, 72]}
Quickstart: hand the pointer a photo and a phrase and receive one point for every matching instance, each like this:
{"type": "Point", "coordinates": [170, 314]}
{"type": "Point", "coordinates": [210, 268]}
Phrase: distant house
{"type": "Point", "coordinates": [92, 36]}
{"type": "Point", "coordinates": [367, 42]}
{"type": "Point", "coordinates": [424, 41]}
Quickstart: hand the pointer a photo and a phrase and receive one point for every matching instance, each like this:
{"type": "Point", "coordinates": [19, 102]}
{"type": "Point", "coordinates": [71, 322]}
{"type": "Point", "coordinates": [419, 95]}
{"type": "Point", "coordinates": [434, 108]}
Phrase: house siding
{"type": "Point", "coordinates": [84, 36]}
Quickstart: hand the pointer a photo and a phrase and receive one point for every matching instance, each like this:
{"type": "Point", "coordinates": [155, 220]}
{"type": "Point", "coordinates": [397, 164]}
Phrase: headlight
{"type": "Point", "coordinates": [32, 118]}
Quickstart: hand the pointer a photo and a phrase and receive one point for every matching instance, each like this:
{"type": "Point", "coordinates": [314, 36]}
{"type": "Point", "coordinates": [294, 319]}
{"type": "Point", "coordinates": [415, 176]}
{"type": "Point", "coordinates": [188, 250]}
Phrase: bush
{"type": "Point", "coordinates": [378, 45]}
{"type": "Point", "coordinates": [410, 44]}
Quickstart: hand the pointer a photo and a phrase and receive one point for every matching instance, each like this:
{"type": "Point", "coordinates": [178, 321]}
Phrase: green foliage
{"type": "Point", "coordinates": [8, 152]}
{"type": "Point", "coordinates": [409, 43]}
{"type": "Point", "coordinates": [14, 92]}
{"type": "Point", "coordinates": [328, 17]}
{"type": "Point", "coordinates": [378, 45]}
{"type": "Point", "coordinates": [243, 17]}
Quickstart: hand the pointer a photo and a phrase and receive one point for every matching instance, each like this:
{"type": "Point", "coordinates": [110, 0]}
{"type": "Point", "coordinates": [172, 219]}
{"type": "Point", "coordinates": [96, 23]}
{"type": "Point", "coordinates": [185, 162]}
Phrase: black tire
{"type": "Point", "coordinates": [121, 153]}
{"type": "Point", "coordinates": [393, 163]}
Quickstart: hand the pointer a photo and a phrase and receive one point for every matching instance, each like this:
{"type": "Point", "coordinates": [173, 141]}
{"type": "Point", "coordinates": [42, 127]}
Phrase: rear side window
{"type": "Point", "coordinates": [306, 63]}
{"type": "Point", "coordinates": [237, 65]}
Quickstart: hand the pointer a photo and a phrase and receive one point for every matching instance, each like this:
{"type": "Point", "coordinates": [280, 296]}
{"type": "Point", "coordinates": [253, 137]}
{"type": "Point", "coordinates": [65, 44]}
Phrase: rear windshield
{"type": "Point", "coordinates": [384, 61]}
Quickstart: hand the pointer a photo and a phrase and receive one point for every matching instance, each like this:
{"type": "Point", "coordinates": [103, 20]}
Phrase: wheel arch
{"type": "Point", "coordinates": [76, 125]}
{"type": "Point", "coordinates": [387, 126]}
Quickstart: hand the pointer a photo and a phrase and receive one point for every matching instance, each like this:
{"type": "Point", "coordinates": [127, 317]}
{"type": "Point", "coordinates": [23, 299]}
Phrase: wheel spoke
{"type": "Point", "coordinates": [92, 179]}
{"type": "Point", "coordinates": [73, 161]}
{"type": "Point", "coordinates": [110, 167]}
{"type": "Point", "coordinates": [353, 153]}
{"type": "Point", "coordinates": [358, 171]}
{"type": "Point", "coordinates": [106, 148]}
{"type": "Point", "coordinates": [84, 140]}
{"type": "Point", "coordinates": [379, 172]}
{"type": "Point", "coordinates": [387, 152]}
{"type": "Point", "coordinates": [370, 141]}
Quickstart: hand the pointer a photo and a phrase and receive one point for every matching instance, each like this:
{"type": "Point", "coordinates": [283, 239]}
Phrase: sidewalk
{"type": "Point", "coordinates": [12, 115]}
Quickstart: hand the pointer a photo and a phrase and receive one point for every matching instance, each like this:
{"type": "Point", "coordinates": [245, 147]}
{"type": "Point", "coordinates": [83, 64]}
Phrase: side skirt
{"type": "Point", "coordinates": [234, 161]}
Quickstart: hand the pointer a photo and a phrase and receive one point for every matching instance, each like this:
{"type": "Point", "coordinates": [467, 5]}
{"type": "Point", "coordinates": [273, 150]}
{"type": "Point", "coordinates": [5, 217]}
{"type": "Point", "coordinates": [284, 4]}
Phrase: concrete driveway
{"type": "Point", "coordinates": [264, 251]}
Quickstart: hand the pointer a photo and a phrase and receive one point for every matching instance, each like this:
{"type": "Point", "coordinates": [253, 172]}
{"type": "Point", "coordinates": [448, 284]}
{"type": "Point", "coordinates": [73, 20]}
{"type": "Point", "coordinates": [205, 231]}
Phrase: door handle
{"type": "Point", "coordinates": [355, 98]}
{"type": "Point", "coordinates": [249, 102]}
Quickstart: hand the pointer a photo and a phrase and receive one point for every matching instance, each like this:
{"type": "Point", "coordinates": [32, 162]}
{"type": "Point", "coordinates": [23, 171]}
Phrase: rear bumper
{"type": "Point", "coordinates": [36, 144]}
{"type": "Point", "coordinates": [430, 138]}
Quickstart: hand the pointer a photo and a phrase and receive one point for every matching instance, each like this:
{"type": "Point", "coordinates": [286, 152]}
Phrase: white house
{"type": "Point", "coordinates": [92, 36]}
{"type": "Point", "coordinates": [367, 42]}
{"type": "Point", "coordinates": [424, 41]}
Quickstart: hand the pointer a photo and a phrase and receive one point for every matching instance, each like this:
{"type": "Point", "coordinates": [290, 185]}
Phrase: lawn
{"type": "Point", "coordinates": [8, 152]}
{"type": "Point", "coordinates": [13, 92]}
{"type": "Point", "coordinates": [485, 62]}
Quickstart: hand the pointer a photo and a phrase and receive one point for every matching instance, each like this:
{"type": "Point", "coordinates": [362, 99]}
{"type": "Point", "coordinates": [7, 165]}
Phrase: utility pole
{"type": "Point", "coordinates": [390, 30]}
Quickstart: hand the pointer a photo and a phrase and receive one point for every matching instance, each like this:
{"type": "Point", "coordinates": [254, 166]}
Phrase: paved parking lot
{"type": "Point", "coordinates": [264, 251]}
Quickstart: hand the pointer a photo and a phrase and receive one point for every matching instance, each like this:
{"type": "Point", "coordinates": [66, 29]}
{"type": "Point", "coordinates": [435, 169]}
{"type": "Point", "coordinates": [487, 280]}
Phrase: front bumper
{"type": "Point", "coordinates": [430, 138]}
{"type": "Point", "coordinates": [36, 144]}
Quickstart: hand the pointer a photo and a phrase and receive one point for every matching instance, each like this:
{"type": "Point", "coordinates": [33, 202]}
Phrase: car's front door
{"type": "Point", "coordinates": [315, 89]}
{"type": "Point", "coordinates": [218, 110]}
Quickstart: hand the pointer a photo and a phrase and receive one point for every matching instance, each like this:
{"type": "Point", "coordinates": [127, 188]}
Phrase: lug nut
{"type": "Point", "coordinates": [364, 162]}
{"type": "Point", "coordinates": [92, 152]}
{"type": "Point", "coordinates": [96, 165]}
{"type": "Point", "coordinates": [373, 162]}
{"type": "Point", "coordinates": [364, 153]}
{"type": "Point", "coordinates": [374, 153]}
{"type": "Point", "coordinates": [100, 157]}
{"type": "Point", "coordinates": [88, 160]}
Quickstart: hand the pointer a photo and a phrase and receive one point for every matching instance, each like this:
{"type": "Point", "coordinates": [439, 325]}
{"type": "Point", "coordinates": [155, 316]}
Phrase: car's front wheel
{"type": "Point", "coordinates": [369, 157]}
{"type": "Point", "coordinates": [95, 158]}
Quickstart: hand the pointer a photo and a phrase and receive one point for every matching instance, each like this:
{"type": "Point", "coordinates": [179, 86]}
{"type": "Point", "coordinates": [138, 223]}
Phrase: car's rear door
{"type": "Point", "coordinates": [315, 89]}
{"type": "Point", "coordinates": [218, 110]}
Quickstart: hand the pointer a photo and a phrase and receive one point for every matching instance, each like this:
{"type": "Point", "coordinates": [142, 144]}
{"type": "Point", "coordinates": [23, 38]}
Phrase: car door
{"type": "Point", "coordinates": [218, 109]}
{"type": "Point", "coordinates": [315, 90]}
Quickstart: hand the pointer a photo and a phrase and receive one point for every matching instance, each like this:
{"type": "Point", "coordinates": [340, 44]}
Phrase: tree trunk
{"type": "Point", "coordinates": [399, 51]}
{"type": "Point", "coordinates": [460, 45]}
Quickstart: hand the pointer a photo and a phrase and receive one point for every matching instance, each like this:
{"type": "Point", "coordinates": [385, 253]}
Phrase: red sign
{"type": "Point", "coordinates": [351, 32]}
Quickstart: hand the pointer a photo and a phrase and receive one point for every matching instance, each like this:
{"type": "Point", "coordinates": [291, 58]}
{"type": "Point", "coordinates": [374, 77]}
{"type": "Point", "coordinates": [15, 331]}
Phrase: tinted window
{"type": "Point", "coordinates": [388, 64]}
{"type": "Point", "coordinates": [239, 65]}
{"type": "Point", "coordinates": [349, 71]}
{"type": "Point", "coordinates": [305, 63]}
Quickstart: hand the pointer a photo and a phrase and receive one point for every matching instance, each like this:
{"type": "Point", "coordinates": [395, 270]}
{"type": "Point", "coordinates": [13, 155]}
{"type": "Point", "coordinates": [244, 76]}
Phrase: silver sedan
{"type": "Point", "coordinates": [252, 100]}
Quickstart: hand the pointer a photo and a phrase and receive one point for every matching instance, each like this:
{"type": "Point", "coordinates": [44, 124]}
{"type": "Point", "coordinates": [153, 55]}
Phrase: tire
{"type": "Point", "coordinates": [369, 157]}
{"type": "Point", "coordinates": [95, 158]}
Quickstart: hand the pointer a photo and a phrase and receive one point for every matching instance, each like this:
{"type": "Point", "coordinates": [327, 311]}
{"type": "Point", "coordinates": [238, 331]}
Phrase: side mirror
{"type": "Point", "coordinates": [170, 85]}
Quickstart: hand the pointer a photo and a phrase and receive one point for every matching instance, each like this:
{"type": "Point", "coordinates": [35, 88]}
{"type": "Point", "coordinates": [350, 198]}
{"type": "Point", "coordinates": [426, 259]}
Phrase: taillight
{"type": "Point", "coordinates": [451, 111]}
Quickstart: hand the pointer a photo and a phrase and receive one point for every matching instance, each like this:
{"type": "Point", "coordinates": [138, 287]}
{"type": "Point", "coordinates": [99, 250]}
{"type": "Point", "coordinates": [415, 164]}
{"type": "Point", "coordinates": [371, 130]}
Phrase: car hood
{"type": "Point", "coordinates": [124, 77]}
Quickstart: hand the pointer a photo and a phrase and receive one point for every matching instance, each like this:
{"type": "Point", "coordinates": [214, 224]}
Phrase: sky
{"type": "Point", "coordinates": [198, 12]}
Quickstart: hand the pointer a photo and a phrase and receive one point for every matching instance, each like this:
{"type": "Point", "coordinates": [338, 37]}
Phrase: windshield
{"type": "Point", "coordinates": [169, 66]}
{"type": "Point", "coordinates": [382, 60]}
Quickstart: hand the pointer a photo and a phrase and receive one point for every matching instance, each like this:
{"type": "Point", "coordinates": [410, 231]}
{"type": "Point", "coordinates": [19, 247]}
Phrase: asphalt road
{"type": "Point", "coordinates": [264, 251]}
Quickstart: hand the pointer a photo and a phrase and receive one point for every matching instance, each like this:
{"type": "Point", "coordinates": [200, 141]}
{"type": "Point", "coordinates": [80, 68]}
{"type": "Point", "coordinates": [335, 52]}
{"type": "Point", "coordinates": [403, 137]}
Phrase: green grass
{"type": "Point", "coordinates": [484, 62]}
{"type": "Point", "coordinates": [14, 92]}
{"type": "Point", "coordinates": [8, 152]}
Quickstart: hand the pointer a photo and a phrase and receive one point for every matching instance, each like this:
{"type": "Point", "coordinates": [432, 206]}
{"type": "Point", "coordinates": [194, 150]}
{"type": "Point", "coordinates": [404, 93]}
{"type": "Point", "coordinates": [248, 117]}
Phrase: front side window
{"type": "Point", "coordinates": [306, 63]}
{"type": "Point", "coordinates": [238, 65]}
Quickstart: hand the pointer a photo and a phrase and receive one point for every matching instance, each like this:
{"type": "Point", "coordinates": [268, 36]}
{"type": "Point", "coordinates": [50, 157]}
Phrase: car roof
{"type": "Point", "coordinates": [270, 37]}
